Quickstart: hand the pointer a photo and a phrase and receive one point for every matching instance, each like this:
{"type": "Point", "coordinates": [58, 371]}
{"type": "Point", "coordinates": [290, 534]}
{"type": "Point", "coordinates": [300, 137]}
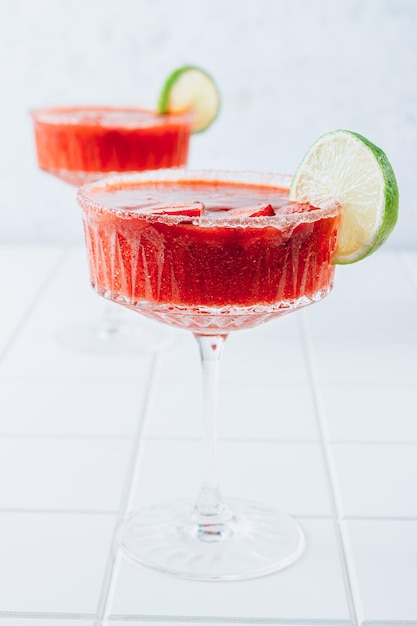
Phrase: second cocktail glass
{"type": "Point", "coordinates": [211, 252]}
{"type": "Point", "coordinates": [81, 144]}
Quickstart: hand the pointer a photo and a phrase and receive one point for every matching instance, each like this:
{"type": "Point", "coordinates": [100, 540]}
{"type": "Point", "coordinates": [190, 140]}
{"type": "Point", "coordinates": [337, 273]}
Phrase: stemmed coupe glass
{"type": "Point", "coordinates": [211, 252]}
{"type": "Point", "coordinates": [81, 144]}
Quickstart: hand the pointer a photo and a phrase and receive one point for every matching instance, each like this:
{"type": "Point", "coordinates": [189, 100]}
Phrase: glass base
{"type": "Point", "coordinates": [257, 541]}
{"type": "Point", "coordinates": [116, 339]}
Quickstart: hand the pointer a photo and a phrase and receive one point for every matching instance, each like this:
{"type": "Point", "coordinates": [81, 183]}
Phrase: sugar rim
{"type": "Point", "coordinates": [70, 115]}
{"type": "Point", "coordinates": [85, 196]}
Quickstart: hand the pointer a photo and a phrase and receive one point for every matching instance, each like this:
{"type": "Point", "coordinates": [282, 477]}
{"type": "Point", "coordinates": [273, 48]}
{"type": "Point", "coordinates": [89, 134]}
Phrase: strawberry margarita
{"type": "Point", "coordinates": [214, 252]}
{"type": "Point", "coordinates": [80, 144]}
{"type": "Point", "coordinates": [207, 250]}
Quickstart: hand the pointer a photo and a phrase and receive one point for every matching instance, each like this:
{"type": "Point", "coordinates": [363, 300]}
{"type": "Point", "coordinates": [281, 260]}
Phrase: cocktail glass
{"type": "Point", "coordinates": [81, 144]}
{"type": "Point", "coordinates": [211, 252]}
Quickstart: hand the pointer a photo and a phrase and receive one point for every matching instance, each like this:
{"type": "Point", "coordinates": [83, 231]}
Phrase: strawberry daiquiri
{"type": "Point", "coordinates": [80, 144]}
{"type": "Point", "coordinates": [215, 252]}
{"type": "Point", "coordinates": [211, 252]}
{"type": "Point", "coordinates": [207, 251]}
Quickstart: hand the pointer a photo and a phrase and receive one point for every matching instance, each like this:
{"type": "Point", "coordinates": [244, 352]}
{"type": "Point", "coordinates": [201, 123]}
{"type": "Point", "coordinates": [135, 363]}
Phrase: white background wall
{"type": "Point", "coordinates": [288, 71]}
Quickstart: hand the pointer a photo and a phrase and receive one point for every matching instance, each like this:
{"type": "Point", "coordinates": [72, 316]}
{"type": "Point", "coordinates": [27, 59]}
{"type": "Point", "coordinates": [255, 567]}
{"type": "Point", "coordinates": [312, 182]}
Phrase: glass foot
{"type": "Point", "coordinates": [119, 338]}
{"type": "Point", "coordinates": [258, 541]}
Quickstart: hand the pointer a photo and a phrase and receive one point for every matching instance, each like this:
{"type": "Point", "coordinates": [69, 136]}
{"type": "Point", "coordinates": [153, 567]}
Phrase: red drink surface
{"type": "Point", "coordinates": [80, 144]}
{"type": "Point", "coordinates": [144, 257]}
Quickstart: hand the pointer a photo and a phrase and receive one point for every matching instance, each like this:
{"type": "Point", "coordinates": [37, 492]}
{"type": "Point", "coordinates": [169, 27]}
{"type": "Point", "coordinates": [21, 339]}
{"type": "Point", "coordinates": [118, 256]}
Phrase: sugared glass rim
{"type": "Point", "coordinates": [57, 115]}
{"type": "Point", "coordinates": [275, 181]}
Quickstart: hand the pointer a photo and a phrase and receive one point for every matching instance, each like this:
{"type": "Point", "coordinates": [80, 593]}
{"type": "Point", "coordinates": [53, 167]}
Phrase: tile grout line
{"type": "Point", "coordinates": [19, 436]}
{"type": "Point", "coordinates": [111, 573]}
{"type": "Point", "coordinates": [108, 512]}
{"type": "Point", "coordinates": [273, 441]}
{"type": "Point", "coordinates": [328, 465]}
{"type": "Point", "coordinates": [36, 298]}
{"type": "Point", "coordinates": [168, 619]}
{"type": "Point", "coordinates": [229, 620]}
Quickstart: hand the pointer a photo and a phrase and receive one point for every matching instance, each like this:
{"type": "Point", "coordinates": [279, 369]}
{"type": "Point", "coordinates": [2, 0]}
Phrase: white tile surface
{"type": "Point", "coordinates": [62, 474]}
{"type": "Point", "coordinates": [266, 355]}
{"type": "Point", "coordinates": [70, 299]}
{"type": "Point", "coordinates": [383, 559]}
{"type": "Point", "coordinates": [370, 323]}
{"type": "Point", "coordinates": [373, 413]}
{"type": "Point", "coordinates": [66, 407]}
{"type": "Point", "coordinates": [249, 357]}
{"type": "Point", "coordinates": [368, 337]}
{"type": "Point", "coordinates": [55, 562]}
{"type": "Point", "coordinates": [299, 592]}
{"type": "Point", "coordinates": [67, 421]}
{"type": "Point", "coordinates": [377, 480]}
{"type": "Point", "coordinates": [253, 411]}
{"type": "Point", "coordinates": [42, 356]}
{"type": "Point", "coordinates": [377, 280]}
{"type": "Point", "coordinates": [35, 621]}
{"type": "Point", "coordinates": [289, 476]}
{"type": "Point", "coordinates": [24, 270]}
{"type": "Point", "coordinates": [355, 362]}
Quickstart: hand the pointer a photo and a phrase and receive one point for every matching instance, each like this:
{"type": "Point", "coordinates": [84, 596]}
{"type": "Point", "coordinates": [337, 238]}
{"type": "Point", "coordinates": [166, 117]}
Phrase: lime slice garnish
{"type": "Point", "coordinates": [190, 88]}
{"type": "Point", "coordinates": [344, 168]}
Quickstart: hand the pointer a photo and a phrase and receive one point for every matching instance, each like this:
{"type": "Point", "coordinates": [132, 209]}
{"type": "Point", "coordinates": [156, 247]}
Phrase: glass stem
{"type": "Point", "coordinates": [111, 321]}
{"type": "Point", "coordinates": [211, 518]}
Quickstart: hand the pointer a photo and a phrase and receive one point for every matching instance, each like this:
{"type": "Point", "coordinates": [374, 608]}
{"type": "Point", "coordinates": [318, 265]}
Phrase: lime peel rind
{"type": "Point", "coordinates": [190, 98]}
{"type": "Point", "coordinates": [343, 167]}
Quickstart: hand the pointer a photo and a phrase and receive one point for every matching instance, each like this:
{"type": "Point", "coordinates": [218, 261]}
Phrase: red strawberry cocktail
{"type": "Point", "coordinates": [80, 144]}
{"type": "Point", "coordinates": [207, 250]}
{"type": "Point", "coordinates": [211, 252]}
